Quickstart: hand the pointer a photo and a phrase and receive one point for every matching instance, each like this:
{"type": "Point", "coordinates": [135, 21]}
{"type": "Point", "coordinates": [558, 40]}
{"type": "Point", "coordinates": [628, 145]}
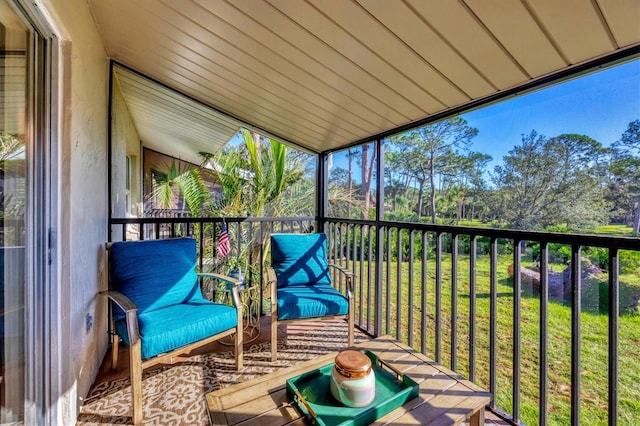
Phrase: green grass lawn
{"type": "Point", "coordinates": [622, 230]}
{"type": "Point", "coordinates": [614, 230]}
{"type": "Point", "coordinates": [594, 338]}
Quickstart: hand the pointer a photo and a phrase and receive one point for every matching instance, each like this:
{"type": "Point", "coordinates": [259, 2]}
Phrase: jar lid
{"type": "Point", "coordinates": [353, 364]}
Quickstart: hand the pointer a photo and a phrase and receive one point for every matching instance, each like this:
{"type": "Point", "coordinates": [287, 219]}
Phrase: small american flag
{"type": "Point", "coordinates": [224, 247]}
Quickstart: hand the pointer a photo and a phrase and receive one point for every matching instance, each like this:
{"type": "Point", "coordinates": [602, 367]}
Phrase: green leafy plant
{"type": "Point", "coordinates": [184, 178]}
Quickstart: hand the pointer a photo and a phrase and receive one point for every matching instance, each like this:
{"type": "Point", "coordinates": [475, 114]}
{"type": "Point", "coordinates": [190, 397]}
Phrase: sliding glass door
{"type": "Point", "coordinates": [23, 213]}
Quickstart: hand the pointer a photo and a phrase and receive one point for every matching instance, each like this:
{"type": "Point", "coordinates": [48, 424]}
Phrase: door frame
{"type": "Point", "coordinates": [41, 299]}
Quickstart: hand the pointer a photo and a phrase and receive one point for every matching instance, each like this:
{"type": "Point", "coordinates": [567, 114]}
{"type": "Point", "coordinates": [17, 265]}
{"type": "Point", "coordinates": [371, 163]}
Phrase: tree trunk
{"type": "Point", "coordinates": [420, 193]}
{"type": "Point", "coordinates": [432, 174]}
{"type": "Point", "coordinates": [636, 219]}
{"type": "Point", "coordinates": [349, 181]}
{"type": "Point", "coordinates": [366, 181]}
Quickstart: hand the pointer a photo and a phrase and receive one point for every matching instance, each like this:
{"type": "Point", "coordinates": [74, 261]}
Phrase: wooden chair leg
{"type": "Point", "coordinates": [274, 321]}
{"type": "Point", "coordinates": [136, 381]}
{"type": "Point", "coordinates": [350, 322]}
{"type": "Point", "coordinates": [115, 341]}
{"type": "Point", "coordinates": [239, 348]}
{"type": "Point", "coordinates": [274, 338]}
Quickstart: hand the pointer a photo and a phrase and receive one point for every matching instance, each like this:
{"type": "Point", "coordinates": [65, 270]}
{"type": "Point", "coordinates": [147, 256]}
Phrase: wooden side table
{"type": "Point", "coordinates": [444, 397]}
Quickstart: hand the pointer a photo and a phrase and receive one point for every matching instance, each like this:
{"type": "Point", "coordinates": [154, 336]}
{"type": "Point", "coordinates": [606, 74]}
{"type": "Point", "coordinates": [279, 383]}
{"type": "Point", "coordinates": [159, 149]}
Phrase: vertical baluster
{"type": "Point", "coordinates": [423, 288]}
{"type": "Point", "coordinates": [347, 247]}
{"type": "Point", "coordinates": [343, 228]}
{"type": "Point", "coordinates": [342, 244]}
{"type": "Point", "coordinates": [238, 237]}
{"type": "Point", "coordinates": [214, 240]}
{"type": "Point", "coordinates": [360, 310]}
{"type": "Point", "coordinates": [410, 295]}
{"type": "Point", "coordinates": [249, 274]}
{"type": "Point", "coordinates": [614, 312]}
{"type": "Point", "coordinates": [517, 295]}
{"type": "Point", "coordinates": [388, 283]}
{"type": "Point", "coordinates": [454, 301]}
{"type": "Point", "coordinates": [493, 318]}
{"type": "Point", "coordinates": [576, 293]}
{"type": "Point", "coordinates": [336, 239]}
{"type": "Point", "coordinates": [438, 312]}
{"type": "Point", "coordinates": [201, 246]}
{"type": "Point", "coordinates": [338, 246]}
{"type": "Point", "coordinates": [380, 255]}
{"type": "Point", "coordinates": [544, 323]}
{"type": "Point", "coordinates": [472, 308]}
{"type": "Point", "coordinates": [354, 252]}
{"type": "Point", "coordinates": [262, 269]}
{"type": "Point", "coordinates": [399, 285]}
{"type": "Point", "coordinates": [369, 295]}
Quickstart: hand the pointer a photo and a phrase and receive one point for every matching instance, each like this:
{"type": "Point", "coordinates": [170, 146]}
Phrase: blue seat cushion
{"type": "Point", "coordinates": [310, 301]}
{"type": "Point", "coordinates": [170, 328]}
{"type": "Point", "coordinates": [155, 274]}
{"type": "Point", "coordinates": [300, 259]}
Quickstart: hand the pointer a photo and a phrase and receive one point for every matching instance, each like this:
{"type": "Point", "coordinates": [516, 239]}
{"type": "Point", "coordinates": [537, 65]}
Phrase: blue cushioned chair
{"type": "Point", "coordinates": [301, 285]}
{"type": "Point", "coordinates": [157, 307]}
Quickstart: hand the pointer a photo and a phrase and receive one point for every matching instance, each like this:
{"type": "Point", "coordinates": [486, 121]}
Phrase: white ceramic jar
{"type": "Point", "coordinates": [353, 382]}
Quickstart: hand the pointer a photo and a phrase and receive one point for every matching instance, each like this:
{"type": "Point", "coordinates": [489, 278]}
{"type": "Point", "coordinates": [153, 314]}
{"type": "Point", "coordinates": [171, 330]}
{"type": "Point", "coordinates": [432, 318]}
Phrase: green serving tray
{"type": "Point", "coordinates": [311, 393]}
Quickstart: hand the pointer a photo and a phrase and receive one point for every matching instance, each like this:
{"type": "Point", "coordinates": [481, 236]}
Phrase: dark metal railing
{"type": "Point", "coordinates": [444, 291]}
{"type": "Point", "coordinates": [248, 238]}
{"type": "Point", "coordinates": [414, 267]}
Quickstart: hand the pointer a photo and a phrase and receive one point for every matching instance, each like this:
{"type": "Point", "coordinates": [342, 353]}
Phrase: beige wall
{"type": "Point", "coordinates": [82, 205]}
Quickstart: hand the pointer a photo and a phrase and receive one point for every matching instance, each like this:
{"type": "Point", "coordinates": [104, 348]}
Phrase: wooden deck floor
{"type": "Point", "coordinates": [106, 374]}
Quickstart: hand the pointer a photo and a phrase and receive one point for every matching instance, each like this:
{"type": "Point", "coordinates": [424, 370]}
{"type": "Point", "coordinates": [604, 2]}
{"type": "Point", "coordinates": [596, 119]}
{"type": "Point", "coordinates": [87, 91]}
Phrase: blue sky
{"type": "Point", "coordinates": [599, 105]}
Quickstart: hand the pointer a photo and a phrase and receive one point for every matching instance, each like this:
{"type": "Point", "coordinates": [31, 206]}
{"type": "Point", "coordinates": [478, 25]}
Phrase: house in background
{"type": "Point", "coordinates": [188, 74]}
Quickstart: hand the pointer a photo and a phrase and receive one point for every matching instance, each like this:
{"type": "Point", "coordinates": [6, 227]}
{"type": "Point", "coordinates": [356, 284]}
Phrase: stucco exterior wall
{"type": "Point", "coordinates": [82, 205]}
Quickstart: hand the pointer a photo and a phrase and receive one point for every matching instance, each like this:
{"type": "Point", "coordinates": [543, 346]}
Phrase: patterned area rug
{"type": "Point", "coordinates": [175, 394]}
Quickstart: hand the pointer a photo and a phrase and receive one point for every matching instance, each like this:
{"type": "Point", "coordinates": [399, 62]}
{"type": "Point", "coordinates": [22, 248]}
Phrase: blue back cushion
{"type": "Point", "coordinates": [155, 273]}
{"type": "Point", "coordinates": [300, 259]}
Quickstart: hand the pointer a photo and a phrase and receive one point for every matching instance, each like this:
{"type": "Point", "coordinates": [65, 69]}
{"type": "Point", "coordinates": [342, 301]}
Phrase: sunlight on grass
{"type": "Point", "coordinates": [594, 336]}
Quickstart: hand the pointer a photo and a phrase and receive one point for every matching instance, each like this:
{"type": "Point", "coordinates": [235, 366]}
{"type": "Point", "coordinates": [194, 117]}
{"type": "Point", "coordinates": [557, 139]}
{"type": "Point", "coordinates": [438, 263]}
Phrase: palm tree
{"type": "Point", "coordinates": [257, 179]}
{"type": "Point", "coordinates": [12, 188]}
{"type": "Point", "coordinates": [180, 178]}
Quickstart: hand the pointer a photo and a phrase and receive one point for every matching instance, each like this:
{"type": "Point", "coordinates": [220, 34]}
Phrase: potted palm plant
{"type": "Point", "coordinates": [237, 267]}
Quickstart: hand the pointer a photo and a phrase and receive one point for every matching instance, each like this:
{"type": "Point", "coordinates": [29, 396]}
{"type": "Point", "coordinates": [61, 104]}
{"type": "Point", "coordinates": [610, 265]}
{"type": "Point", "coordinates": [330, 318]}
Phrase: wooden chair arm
{"type": "Point", "coordinates": [348, 276]}
{"type": "Point", "coordinates": [273, 287]}
{"type": "Point", "coordinates": [232, 285]}
{"type": "Point", "coordinates": [341, 269]}
{"type": "Point", "coordinates": [233, 281]}
{"type": "Point", "coordinates": [272, 281]}
{"type": "Point", "coordinates": [121, 300]}
{"type": "Point", "coordinates": [131, 311]}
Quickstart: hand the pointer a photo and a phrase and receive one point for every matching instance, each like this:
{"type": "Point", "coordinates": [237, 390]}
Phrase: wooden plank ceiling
{"type": "Point", "coordinates": [325, 73]}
